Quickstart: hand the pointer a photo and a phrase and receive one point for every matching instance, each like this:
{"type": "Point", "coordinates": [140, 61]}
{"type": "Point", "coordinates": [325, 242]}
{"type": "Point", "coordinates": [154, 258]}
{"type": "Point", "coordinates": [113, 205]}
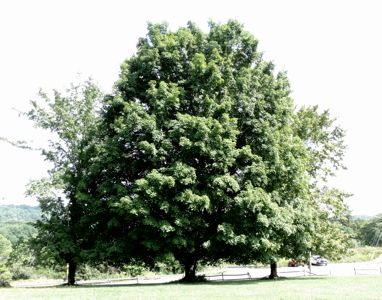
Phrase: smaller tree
{"type": "Point", "coordinates": [318, 213]}
{"type": "Point", "coordinates": [5, 276]}
{"type": "Point", "coordinates": [72, 118]}
{"type": "Point", "coordinates": [5, 249]}
{"type": "Point", "coordinates": [371, 231]}
{"type": "Point", "coordinates": [21, 257]}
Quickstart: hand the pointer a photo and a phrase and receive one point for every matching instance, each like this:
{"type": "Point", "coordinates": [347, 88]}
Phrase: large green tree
{"type": "Point", "coordinates": [200, 161]}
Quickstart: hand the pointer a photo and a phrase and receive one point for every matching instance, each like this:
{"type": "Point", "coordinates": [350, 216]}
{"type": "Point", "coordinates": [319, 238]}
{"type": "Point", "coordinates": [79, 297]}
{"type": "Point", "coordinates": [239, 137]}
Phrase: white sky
{"type": "Point", "coordinates": [332, 51]}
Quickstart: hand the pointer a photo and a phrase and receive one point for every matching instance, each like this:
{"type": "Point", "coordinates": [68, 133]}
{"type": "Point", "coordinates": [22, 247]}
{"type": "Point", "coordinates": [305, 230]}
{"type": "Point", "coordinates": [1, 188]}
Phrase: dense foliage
{"type": "Point", "coordinates": [204, 158]}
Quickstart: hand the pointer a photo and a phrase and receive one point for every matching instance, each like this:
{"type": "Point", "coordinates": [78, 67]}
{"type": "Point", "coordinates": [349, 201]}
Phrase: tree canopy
{"type": "Point", "coordinates": [202, 157]}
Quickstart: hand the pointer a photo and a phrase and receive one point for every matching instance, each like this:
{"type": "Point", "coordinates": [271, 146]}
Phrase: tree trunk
{"type": "Point", "coordinates": [189, 271]}
{"type": "Point", "coordinates": [273, 274]}
{"type": "Point", "coordinates": [72, 272]}
{"type": "Point", "coordinates": [74, 218]}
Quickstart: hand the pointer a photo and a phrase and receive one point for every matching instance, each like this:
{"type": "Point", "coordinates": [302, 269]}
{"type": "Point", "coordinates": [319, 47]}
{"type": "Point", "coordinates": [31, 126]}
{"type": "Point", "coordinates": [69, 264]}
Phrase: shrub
{"type": "Point", "coordinates": [133, 271]}
{"type": "Point", "coordinates": [5, 277]}
{"type": "Point", "coordinates": [19, 273]}
{"type": "Point", "coordinates": [85, 272]}
{"type": "Point", "coordinates": [361, 254]}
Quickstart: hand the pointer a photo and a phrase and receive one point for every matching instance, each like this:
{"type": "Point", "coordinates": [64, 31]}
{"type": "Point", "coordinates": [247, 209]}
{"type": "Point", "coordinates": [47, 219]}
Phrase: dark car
{"type": "Point", "coordinates": [318, 260]}
{"type": "Point", "coordinates": [295, 263]}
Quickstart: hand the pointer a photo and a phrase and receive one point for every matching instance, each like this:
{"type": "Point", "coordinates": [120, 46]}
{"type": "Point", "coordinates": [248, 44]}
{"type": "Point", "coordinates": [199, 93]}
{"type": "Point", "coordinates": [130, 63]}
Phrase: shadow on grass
{"type": "Point", "coordinates": [176, 283]}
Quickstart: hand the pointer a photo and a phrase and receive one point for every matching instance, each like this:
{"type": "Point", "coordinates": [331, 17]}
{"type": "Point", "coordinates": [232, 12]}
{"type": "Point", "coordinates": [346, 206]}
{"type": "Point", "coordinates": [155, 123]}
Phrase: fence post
{"type": "Point", "coordinates": [222, 277]}
{"type": "Point", "coordinates": [249, 276]}
{"type": "Point", "coordinates": [355, 272]}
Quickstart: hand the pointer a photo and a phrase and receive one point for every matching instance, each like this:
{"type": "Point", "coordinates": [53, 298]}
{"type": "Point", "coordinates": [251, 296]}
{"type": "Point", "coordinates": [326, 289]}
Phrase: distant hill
{"type": "Point", "coordinates": [363, 217]}
{"type": "Point", "coordinates": [24, 213]}
{"type": "Point", "coordinates": [14, 221]}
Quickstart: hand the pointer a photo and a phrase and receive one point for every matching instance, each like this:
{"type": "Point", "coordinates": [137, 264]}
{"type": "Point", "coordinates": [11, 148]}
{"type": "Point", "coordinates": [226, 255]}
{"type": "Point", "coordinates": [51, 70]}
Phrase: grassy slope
{"type": "Point", "coordinates": [361, 254]}
{"type": "Point", "coordinates": [351, 287]}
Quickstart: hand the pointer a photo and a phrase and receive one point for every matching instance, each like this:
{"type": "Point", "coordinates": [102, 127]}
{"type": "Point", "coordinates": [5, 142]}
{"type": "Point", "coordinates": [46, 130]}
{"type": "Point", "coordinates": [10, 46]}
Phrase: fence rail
{"type": "Point", "coordinates": [221, 275]}
{"type": "Point", "coordinates": [366, 271]}
{"type": "Point", "coordinates": [303, 271]}
{"type": "Point", "coordinates": [245, 266]}
{"type": "Point", "coordinates": [228, 276]}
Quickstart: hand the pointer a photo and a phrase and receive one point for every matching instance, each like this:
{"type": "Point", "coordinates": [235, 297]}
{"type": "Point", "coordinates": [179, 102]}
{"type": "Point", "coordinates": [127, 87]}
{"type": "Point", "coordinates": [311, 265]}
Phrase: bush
{"type": "Point", "coordinates": [173, 267]}
{"type": "Point", "coordinates": [85, 272]}
{"type": "Point", "coordinates": [133, 271]}
{"type": "Point", "coordinates": [49, 273]}
{"type": "Point", "coordinates": [20, 273]}
{"type": "Point", "coordinates": [361, 254]}
{"type": "Point", "coordinates": [5, 277]}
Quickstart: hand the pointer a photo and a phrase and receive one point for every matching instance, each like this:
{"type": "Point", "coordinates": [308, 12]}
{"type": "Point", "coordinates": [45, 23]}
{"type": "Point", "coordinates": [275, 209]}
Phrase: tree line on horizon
{"type": "Point", "coordinates": [199, 155]}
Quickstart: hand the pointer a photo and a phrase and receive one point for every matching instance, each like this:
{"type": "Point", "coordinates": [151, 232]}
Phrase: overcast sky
{"type": "Point", "coordinates": [332, 51]}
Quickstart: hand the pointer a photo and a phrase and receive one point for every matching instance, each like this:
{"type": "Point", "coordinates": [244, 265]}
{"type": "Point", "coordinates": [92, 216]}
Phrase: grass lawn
{"type": "Point", "coordinates": [349, 287]}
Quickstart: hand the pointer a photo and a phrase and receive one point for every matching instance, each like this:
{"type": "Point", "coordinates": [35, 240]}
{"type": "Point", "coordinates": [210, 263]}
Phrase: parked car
{"type": "Point", "coordinates": [318, 260]}
{"type": "Point", "coordinates": [295, 263]}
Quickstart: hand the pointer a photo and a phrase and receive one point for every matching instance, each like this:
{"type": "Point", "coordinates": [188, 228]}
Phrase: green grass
{"type": "Point", "coordinates": [350, 287]}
